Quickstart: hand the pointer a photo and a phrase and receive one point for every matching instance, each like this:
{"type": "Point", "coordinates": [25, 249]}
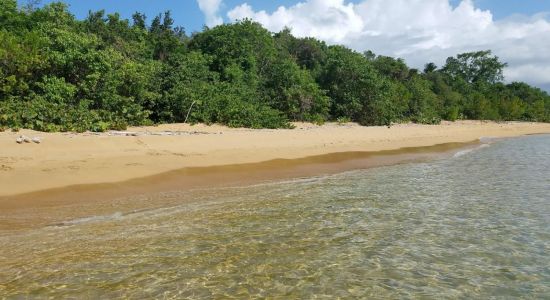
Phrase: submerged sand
{"type": "Point", "coordinates": [67, 159]}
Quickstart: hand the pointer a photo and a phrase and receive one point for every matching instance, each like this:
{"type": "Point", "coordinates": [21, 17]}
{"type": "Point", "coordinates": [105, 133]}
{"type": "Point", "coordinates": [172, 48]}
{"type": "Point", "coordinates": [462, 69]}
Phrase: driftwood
{"type": "Point", "coordinates": [189, 112]}
{"type": "Point", "coordinates": [124, 133]}
{"type": "Point", "coordinates": [177, 133]}
{"type": "Point", "coordinates": [159, 133]}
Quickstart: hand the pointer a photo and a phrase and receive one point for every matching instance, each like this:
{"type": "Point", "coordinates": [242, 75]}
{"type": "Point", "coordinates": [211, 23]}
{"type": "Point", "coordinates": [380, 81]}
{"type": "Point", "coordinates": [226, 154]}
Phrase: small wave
{"type": "Point", "coordinates": [494, 139]}
{"type": "Point", "coordinates": [467, 151]}
{"type": "Point", "coordinates": [303, 180]}
{"type": "Point", "coordinates": [489, 139]}
{"type": "Point", "coordinates": [91, 219]}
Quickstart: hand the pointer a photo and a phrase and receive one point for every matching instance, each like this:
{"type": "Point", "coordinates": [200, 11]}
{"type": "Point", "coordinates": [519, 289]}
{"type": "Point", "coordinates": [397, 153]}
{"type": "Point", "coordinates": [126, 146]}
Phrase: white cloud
{"type": "Point", "coordinates": [211, 9]}
{"type": "Point", "coordinates": [330, 20]}
{"type": "Point", "coordinates": [419, 31]}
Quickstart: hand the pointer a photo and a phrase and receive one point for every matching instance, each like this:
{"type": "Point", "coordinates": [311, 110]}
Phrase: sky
{"type": "Point", "coordinates": [419, 31]}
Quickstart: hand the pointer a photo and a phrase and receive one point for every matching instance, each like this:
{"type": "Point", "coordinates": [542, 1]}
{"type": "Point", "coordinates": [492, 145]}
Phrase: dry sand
{"type": "Point", "coordinates": [67, 159]}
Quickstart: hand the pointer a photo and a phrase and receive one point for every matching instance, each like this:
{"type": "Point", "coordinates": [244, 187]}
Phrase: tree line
{"type": "Point", "coordinates": [58, 73]}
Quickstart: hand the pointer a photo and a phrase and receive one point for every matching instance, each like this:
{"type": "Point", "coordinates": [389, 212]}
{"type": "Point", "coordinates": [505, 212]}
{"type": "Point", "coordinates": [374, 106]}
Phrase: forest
{"type": "Point", "coordinates": [58, 73]}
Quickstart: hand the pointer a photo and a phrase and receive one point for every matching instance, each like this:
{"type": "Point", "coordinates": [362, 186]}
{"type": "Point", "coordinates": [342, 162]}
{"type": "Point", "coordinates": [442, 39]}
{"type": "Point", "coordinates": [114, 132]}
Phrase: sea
{"type": "Point", "coordinates": [472, 225]}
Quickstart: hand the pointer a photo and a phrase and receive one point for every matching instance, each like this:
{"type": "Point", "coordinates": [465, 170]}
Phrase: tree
{"type": "Point", "coordinates": [430, 68]}
{"type": "Point", "coordinates": [293, 90]}
{"type": "Point", "coordinates": [245, 44]}
{"type": "Point", "coordinates": [395, 69]}
{"type": "Point", "coordinates": [308, 53]}
{"type": "Point", "coordinates": [475, 67]}
{"type": "Point", "coordinates": [355, 88]}
{"type": "Point", "coordinates": [10, 17]}
{"type": "Point", "coordinates": [139, 20]}
{"type": "Point", "coordinates": [424, 106]}
{"type": "Point", "coordinates": [58, 73]}
{"type": "Point", "coordinates": [369, 55]}
{"type": "Point", "coordinates": [165, 41]}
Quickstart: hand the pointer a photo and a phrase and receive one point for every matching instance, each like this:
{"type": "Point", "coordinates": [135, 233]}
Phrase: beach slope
{"type": "Point", "coordinates": [66, 159]}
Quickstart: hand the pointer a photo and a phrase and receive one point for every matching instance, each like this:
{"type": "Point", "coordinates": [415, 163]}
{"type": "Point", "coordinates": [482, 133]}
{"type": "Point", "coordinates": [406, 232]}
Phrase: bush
{"type": "Point", "coordinates": [61, 74]}
{"type": "Point", "coordinates": [343, 120]}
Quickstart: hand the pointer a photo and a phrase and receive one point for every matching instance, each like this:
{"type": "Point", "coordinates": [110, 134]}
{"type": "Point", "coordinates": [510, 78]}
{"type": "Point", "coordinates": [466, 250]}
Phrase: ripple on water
{"type": "Point", "coordinates": [475, 225]}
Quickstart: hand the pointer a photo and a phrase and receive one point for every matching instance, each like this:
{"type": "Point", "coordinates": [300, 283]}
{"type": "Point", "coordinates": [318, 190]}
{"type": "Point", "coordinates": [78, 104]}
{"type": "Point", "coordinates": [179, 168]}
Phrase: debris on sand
{"type": "Point", "coordinates": [25, 139]}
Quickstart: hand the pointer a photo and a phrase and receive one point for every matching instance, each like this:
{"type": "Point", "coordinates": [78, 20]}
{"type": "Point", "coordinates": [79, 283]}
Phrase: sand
{"type": "Point", "coordinates": [68, 159]}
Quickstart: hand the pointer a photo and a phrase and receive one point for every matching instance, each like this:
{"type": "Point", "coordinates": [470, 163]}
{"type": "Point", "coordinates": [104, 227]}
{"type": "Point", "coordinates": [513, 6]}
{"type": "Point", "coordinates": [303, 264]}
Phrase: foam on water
{"type": "Point", "coordinates": [467, 151]}
{"type": "Point", "coordinates": [92, 219]}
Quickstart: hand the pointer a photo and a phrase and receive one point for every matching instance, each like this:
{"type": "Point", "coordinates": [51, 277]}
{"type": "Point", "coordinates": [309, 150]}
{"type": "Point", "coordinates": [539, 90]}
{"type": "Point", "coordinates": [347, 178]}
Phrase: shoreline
{"type": "Point", "coordinates": [411, 143]}
{"type": "Point", "coordinates": [60, 206]}
{"type": "Point", "coordinates": [67, 159]}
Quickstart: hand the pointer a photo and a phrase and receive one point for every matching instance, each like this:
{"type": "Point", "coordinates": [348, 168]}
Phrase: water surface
{"type": "Point", "coordinates": [476, 225]}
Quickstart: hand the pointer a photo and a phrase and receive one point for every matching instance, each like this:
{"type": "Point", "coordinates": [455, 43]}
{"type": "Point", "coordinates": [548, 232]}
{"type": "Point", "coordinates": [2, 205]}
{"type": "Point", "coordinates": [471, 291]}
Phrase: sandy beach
{"type": "Point", "coordinates": [67, 159]}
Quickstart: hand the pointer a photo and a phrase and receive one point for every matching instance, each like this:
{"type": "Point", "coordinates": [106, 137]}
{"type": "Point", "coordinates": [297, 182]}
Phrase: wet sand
{"type": "Point", "coordinates": [54, 206]}
{"type": "Point", "coordinates": [71, 176]}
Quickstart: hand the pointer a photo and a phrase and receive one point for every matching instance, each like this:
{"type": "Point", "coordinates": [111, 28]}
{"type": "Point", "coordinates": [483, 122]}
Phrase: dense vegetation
{"type": "Point", "coordinates": [62, 74]}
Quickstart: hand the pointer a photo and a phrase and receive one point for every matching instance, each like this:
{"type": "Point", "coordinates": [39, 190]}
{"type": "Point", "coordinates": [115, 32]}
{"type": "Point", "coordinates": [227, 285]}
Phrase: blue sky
{"type": "Point", "coordinates": [187, 14]}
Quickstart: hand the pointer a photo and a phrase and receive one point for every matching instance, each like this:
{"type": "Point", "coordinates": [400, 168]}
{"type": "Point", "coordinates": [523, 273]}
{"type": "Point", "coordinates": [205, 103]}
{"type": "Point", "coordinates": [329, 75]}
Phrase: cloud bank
{"type": "Point", "coordinates": [419, 31]}
{"type": "Point", "coordinates": [211, 9]}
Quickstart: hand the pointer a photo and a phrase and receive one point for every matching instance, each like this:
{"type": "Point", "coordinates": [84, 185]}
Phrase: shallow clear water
{"type": "Point", "coordinates": [473, 226]}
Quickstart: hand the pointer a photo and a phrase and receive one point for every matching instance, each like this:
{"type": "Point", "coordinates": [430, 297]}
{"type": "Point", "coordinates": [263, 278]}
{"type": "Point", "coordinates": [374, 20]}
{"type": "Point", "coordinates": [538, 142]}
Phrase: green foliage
{"type": "Point", "coordinates": [393, 68]}
{"type": "Point", "coordinates": [358, 91]}
{"type": "Point", "coordinates": [58, 73]}
{"type": "Point", "coordinates": [308, 53]}
{"type": "Point", "coordinates": [424, 105]}
{"type": "Point", "coordinates": [378, 107]}
{"type": "Point", "coordinates": [475, 67]}
{"type": "Point", "coordinates": [347, 78]}
{"type": "Point", "coordinates": [292, 90]}
{"type": "Point", "coordinates": [430, 68]}
{"type": "Point", "coordinates": [343, 120]}
{"type": "Point", "coordinates": [245, 44]}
